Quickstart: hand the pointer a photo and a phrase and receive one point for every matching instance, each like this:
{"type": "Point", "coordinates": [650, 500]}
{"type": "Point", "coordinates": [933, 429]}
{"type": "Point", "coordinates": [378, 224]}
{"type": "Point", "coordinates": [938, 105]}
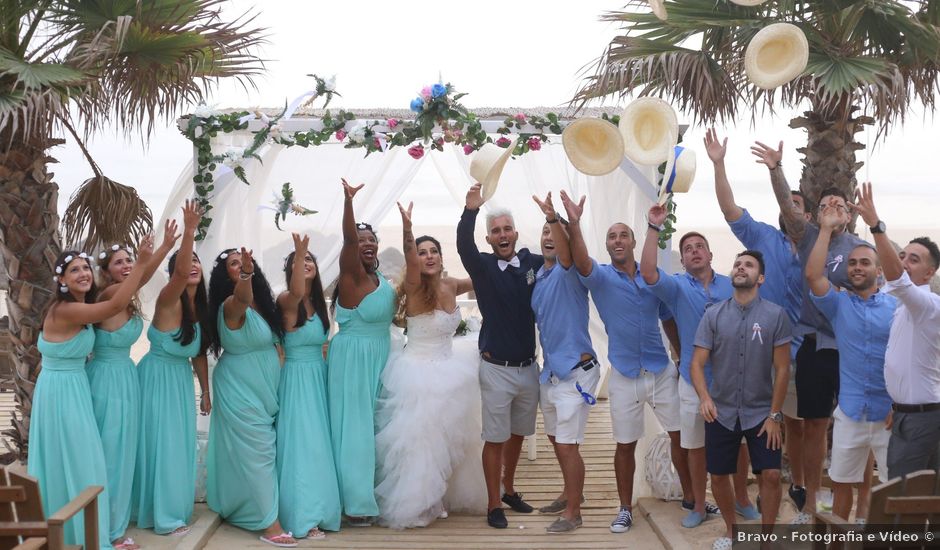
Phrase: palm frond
{"type": "Point", "coordinates": [102, 212]}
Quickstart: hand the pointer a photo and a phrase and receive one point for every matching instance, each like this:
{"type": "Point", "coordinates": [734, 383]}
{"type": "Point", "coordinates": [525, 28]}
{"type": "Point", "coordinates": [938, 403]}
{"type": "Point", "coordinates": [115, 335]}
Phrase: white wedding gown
{"type": "Point", "coordinates": [428, 442]}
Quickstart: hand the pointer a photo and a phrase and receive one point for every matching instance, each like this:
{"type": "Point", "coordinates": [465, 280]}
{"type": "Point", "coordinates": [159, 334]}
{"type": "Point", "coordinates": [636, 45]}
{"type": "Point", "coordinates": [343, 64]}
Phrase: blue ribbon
{"type": "Point", "coordinates": [588, 398]}
{"type": "Point", "coordinates": [672, 176]}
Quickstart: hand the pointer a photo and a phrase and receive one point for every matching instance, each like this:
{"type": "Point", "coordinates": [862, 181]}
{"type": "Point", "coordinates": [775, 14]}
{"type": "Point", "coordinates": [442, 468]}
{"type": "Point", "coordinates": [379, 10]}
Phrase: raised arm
{"type": "Point", "coordinates": [865, 206]}
{"type": "Point", "coordinates": [793, 219]}
{"type": "Point", "coordinates": [716, 152]}
{"type": "Point", "coordinates": [464, 286]}
{"type": "Point", "coordinates": [170, 236]}
{"type": "Point", "coordinates": [234, 307]}
{"type": "Point", "coordinates": [579, 252]}
{"type": "Point", "coordinates": [349, 263]}
{"type": "Point", "coordinates": [466, 246]}
{"type": "Point", "coordinates": [831, 218]}
{"type": "Point", "coordinates": [412, 262]}
{"type": "Point", "coordinates": [648, 258]}
{"type": "Point", "coordinates": [298, 283]}
{"type": "Point", "coordinates": [559, 236]}
{"type": "Point", "coordinates": [174, 288]}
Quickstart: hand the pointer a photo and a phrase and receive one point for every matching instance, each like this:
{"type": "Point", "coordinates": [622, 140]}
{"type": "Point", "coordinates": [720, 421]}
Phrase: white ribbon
{"type": "Point", "coordinates": [756, 333]}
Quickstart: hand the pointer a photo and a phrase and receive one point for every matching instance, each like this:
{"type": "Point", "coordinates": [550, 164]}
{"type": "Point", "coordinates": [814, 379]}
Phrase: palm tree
{"type": "Point", "coordinates": [75, 63]}
{"type": "Point", "coordinates": [869, 62]}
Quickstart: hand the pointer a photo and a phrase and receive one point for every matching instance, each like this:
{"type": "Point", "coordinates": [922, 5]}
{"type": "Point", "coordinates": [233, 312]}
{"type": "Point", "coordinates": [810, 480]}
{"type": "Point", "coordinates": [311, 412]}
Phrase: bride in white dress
{"type": "Point", "coordinates": [428, 416]}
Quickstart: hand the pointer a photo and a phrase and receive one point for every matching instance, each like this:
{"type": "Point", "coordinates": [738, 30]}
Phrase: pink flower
{"type": "Point", "coordinates": [340, 134]}
{"type": "Point", "coordinates": [520, 117]}
{"type": "Point", "coordinates": [416, 151]}
{"type": "Point", "coordinates": [534, 143]}
{"type": "Point", "coordinates": [467, 149]}
{"type": "Point", "coordinates": [457, 134]}
{"type": "Point", "coordinates": [377, 143]}
{"type": "Point", "coordinates": [426, 94]}
{"type": "Point", "coordinates": [503, 141]}
{"type": "Point", "coordinates": [392, 123]}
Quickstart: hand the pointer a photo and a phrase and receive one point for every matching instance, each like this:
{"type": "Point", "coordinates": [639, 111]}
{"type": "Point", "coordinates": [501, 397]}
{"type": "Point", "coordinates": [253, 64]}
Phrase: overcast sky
{"type": "Point", "coordinates": [504, 54]}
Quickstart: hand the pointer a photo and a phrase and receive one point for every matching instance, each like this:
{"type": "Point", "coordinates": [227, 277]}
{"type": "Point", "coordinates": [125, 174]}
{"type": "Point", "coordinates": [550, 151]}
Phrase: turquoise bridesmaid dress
{"type": "Point", "coordinates": [358, 354]}
{"type": "Point", "coordinates": [305, 469]}
{"type": "Point", "coordinates": [241, 478]}
{"type": "Point", "coordinates": [165, 479]}
{"type": "Point", "coordinates": [65, 452]}
{"type": "Point", "coordinates": [115, 396]}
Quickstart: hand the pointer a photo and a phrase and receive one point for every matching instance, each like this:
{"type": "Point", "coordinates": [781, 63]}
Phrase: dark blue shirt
{"type": "Point", "coordinates": [504, 297]}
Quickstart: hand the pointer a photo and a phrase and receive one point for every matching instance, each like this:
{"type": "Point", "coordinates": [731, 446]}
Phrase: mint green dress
{"type": "Point", "coordinates": [358, 354]}
{"type": "Point", "coordinates": [305, 469]}
{"type": "Point", "coordinates": [165, 478]}
{"type": "Point", "coordinates": [65, 452]}
{"type": "Point", "coordinates": [115, 396]}
{"type": "Point", "coordinates": [241, 479]}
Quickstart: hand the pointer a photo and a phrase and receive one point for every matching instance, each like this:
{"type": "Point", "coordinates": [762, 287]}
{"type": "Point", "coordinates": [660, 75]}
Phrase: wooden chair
{"type": "Point", "coordinates": [901, 505]}
{"type": "Point", "coordinates": [21, 515]}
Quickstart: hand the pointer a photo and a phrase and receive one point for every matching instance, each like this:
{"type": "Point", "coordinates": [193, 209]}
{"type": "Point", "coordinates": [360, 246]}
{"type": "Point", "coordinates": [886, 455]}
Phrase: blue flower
{"type": "Point", "coordinates": [438, 90]}
{"type": "Point", "coordinates": [417, 104]}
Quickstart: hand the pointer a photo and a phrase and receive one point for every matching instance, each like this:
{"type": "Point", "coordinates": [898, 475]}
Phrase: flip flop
{"type": "Point", "coordinates": [315, 534]}
{"type": "Point", "coordinates": [180, 531]}
{"type": "Point", "coordinates": [278, 540]}
{"type": "Point", "coordinates": [126, 544]}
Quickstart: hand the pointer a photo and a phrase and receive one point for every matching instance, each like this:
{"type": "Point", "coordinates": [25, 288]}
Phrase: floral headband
{"type": "Point", "coordinates": [364, 225]}
{"type": "Point", "coordinates": [114, 248]}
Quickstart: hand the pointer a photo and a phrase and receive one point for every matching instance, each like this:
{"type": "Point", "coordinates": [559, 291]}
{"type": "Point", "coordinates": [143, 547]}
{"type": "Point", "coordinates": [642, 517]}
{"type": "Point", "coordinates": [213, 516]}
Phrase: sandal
{"type": "Point", "coordinates": [315, 534]}
{"type": "Point", "coordinates": [126, 543]}
{"type": "Point", "coordinates": [284, 540]}
{"type": "Point", "coordinates": [179, 531]}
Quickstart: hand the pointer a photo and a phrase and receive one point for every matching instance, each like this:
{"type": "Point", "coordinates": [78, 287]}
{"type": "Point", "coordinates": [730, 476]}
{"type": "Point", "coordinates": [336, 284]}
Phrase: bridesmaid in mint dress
{"type": "Point", "coordinates": [65, 451]}
{"type": "Point", "coordinates": [165, 476]}
{"type": "Point", "coordinates": [112, 375]}
{"type": "Point", "coordinates": [309, 492]}
{"type": "Point", "coordinates": [241, 460]}
{"type": "Point", "coordinates": [364, 305]}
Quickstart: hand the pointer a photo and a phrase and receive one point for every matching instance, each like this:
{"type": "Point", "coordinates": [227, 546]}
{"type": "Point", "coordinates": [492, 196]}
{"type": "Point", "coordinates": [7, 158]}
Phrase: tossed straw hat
{"type": "Point", "coordinates": [593, 146]}
{"type": "Point", "coordinates": [680, 172]}
{"type": "Point", "coordinates": [776, 55]}
{"type": "Point", "coordinates": [650, 129]}
{"type": "Point", "coordinates": [487, 165]}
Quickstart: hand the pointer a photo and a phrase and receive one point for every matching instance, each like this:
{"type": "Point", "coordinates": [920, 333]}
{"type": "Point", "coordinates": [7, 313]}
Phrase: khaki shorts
{"type": "Point", "coordinates": [691, 422]}
{"type": "Point", "coordinates": [510, 398]}
{"type": "Point", "coordinates": [564, 409]}
{"type": "Point", "coordinates": [629, 395]}
{"type": "Point", "coordinates": [789, 403]}
{"type": "Point", "coordinates": [851, 442]}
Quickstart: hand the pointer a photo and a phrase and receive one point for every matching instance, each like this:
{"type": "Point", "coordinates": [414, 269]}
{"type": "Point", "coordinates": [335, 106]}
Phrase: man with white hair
{"type": "Point", "coordinates": [509, 376]}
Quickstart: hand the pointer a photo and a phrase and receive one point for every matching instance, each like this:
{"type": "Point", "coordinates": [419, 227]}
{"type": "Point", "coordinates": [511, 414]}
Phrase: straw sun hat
{"type": "Point", "coordinates": [679, 174]}
{"type": "Point", "coordinates": [593, 146]}
{"type": "Point", "coordinates": [487, 165]}
{"type": "Point", "coordinates": [650, 129]}
{"type": "Point", "coordinates": [776, 55]}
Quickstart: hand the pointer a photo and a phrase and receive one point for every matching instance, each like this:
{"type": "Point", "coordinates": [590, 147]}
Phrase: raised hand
{"type": "Point", "coordinates": [657, 214]}
{"type": "Point", "coordinates": [300, 245]}
{"type": "Point", "coordinates": [474, 197]}
{"type": "Point", "coordinates": [349, 190]}
{"type": "Point", "coordinates": [716, 151]}
{"type": "Point", "coordinates": [145, 248]}
{"type": "Point", "coordinates": [832, 217]}
{"type": "Point", "coordinates": [170, 236]}
{"type": "Point", "coordinates": [767, 155]}
{"type": "Point", "coordinates": [406, 214]}
{"type": "Point", "coordinates": [546, 205]}
{"type": "Point", "coordinates": [573, 210]}
{"type": "Point", "coordinates": [865, 204]}
{"type": "Point", "coordinates": [192, 213]}
{"type": "Point", "coordinates": [248, 265]}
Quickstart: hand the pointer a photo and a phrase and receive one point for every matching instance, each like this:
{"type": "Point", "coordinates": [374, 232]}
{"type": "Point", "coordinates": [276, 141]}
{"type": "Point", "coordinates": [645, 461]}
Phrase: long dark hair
{"type": "Point", "coordinates": [187, 331]}
{"type": "Point", "coordinates": [360, 226]}
{"type": "Point", "coordinates": [62, 262]}
{"type": "Point", "coordinates": [316, 294]}
{"type": "Point", "coordinates": [427, 290]}
{"type": "Point", "coordinates": [221, 287]}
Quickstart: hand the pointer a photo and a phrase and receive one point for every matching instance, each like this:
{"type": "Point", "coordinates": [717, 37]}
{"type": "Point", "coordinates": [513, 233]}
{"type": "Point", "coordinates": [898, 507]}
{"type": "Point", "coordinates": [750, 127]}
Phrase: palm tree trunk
{"type": "Point", "coordinates": [29, 244]}
{"type": "Point", "coordinates": [829, 156]}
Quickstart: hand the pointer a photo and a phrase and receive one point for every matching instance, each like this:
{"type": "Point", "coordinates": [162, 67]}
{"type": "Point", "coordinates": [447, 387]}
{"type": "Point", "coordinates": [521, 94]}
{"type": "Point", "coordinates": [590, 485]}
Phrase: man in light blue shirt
{"type": "Point", "coordinates": [861, 320]}
{"type": "Point", "coordinates": [571, 373]}
{"type": "Point", "coordinates": [641, 372]}
{"type": "Point", "coordinates": [687, 295]}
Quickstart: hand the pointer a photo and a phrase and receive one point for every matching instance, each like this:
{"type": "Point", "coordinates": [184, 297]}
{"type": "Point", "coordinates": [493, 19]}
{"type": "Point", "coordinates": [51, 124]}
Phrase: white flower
{"type": "Point", "coordinates": [103, 255]}
{"type": "Point", "coordinates": [55, 278]}
{"type": "Point", "coordinates": [68, 259]}
{"type": "Point", "coordinates": [83, 256]}
{"type": "Point", "coordinates": [329, 84]}
{"type": "Point", "coordinates": [205, 111]}
{"type": "Point", "coordinates": [58, 269]}
{"type": "Point", "coordinates": [358, 134]}
{"type": "Point", "coordinates": [233, 157]}
{"type": "Point", "coordinates": [275, 131]}
{"type": "Point", "coordinates": [223, 256]}
{"type": "Point", "coordinates": [115, 247]}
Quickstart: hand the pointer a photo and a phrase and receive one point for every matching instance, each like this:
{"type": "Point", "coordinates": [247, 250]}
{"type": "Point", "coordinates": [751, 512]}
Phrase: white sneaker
{"type": "Point", "coordinates": [802, 519]}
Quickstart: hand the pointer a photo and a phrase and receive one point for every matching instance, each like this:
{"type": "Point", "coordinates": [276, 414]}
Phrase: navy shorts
{"type": "Point", "coordinates": [722, 444]}
{"type": "Point", "coordinates": [817, 380]}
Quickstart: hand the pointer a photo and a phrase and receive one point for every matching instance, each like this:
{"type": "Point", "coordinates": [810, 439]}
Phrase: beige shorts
{"type": "Point", "coordinates": [691, 422]}
{"type": "Point", "coordinates": [564, 409]}
{"type": "Point", "coordinates": [629, 395]}
{"type": "Point", "coordinates": [851, 442]}
{"type": "Point", "coordinates": [789, 404]}
{"type": "Point", "coordinates": [510, 397]}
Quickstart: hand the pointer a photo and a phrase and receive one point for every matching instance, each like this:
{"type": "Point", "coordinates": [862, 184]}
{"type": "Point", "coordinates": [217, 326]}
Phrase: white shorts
{"type": "Point", "coordinates": [851, 442]}
{"type": "Point", "coordinates": [691, 422]}
{"type": "Point", "coordinates": [510, 397]}
{"type": "Point", "coordinates": [789, 403]}
{"type": "Point", "coordinates": [564, 410]}
{"type": "Point", "coordinates": [628, 395]}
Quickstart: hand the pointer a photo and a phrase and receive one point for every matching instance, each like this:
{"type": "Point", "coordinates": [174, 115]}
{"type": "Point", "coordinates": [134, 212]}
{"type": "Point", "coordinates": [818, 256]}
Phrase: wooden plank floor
{"type": "Point", "coordinates": [539, 481]}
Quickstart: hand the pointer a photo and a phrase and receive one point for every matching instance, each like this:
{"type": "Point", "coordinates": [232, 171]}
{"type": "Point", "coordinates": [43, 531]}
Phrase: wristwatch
{"type": "Point", "coordinates": [654, 227]}
{"type": "Point", "coordinates": [878, 227]}
{"type": "Point", "coordinates": [776, 417]}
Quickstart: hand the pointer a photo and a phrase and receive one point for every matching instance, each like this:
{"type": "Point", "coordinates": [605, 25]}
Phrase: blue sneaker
{"type": "Point", "coordinates": [693, 519]}
{"type": "Point", "coordinates": [748, 512]}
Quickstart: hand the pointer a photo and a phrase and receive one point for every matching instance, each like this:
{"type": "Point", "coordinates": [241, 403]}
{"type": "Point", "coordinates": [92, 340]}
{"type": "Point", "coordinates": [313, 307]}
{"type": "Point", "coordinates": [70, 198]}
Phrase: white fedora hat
{"type": "Point", "coordinates": [593, 146]}
{"type": "Point", "coordinates": [659, 10]}
{"type": "Point", "coordinates": [748, 2]}
{"type": "Point", "coordinates": [680, 172]}
{"type": "Point", "coordinates": [650, 129]}
{"type": "Point", "coordinates": [776, 55]}
{"type": "Point", "coordinates": [487, 164]}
